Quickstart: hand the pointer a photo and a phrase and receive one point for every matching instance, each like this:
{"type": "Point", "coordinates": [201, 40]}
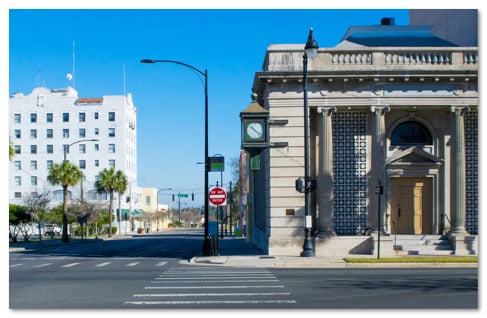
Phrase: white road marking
{"type": "Point", "coordinates": [16, 265]}
{"type": "Point", "coordinates": [42, 265]}
{"type": "Point", "coordinates": [132, 264]}
{"type": "Point", "coordinates": [204, 302]}
{"type": "Point", "coordinates": [161, 263]}
{"type": "Point", "coordinates": [214, 287]}
{"type": "Point", "coordinates": [103, 264]}
{"type": "Point", "coordinates": [71, 265]}
{"type": "Point", "coordinates": [210, 294]}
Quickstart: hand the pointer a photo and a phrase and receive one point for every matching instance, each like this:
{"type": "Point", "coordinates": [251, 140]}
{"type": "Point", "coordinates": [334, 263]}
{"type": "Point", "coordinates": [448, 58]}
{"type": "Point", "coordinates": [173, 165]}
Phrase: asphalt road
{"type": "Point", "coordinates": [152, 272]}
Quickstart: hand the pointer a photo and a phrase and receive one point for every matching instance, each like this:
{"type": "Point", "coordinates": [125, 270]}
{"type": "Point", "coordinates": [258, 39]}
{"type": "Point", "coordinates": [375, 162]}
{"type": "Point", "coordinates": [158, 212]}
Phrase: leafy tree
{"type": "Point", "coordinates": [35, 205]}
{"type": "Point", "coordinates": [65, 174]}
{"type": "Point", "coordinates": [111, 180]}
{"type": "Point", "coordinates": [16, 217]}
{"type": "Point", "coordinates": [85, 211]}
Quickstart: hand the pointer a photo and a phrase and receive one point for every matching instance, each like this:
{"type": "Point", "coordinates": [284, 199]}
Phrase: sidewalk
{"type": "Point", "coordinates": [235, 251]}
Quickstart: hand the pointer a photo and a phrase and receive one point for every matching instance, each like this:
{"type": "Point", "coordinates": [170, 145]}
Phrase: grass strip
{"type": "Point", "coordinates": [412, 259]}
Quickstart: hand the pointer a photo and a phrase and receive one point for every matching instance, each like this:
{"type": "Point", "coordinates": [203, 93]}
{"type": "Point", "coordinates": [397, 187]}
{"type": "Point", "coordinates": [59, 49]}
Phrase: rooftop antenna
{"type": "Point", "coordinates": [38, 76]}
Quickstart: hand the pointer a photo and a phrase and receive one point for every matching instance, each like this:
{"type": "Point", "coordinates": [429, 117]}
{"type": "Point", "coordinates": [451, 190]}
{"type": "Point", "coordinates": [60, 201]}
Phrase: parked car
{"type": "Point", "coordinates": [51, 230]}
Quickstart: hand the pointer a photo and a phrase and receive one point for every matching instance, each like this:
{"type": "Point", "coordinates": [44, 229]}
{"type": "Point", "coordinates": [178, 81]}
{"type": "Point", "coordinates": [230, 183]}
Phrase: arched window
{"type": "Point", "coordinates": [411, 133]}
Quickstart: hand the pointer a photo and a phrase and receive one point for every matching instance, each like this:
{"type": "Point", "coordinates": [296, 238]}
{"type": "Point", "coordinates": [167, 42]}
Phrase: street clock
{"type": "Point", "coordinates": [255, 127]}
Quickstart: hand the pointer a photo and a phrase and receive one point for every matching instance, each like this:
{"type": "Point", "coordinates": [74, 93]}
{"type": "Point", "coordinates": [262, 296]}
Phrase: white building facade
{"type": "Point", "coordinates": [48, 126]}
{"type": "Point", "coordinates": [389, 105]}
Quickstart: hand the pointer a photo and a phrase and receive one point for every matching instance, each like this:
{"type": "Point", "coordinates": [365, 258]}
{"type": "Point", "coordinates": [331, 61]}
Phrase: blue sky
{"type": "Point", "coordinates": [230, 44]}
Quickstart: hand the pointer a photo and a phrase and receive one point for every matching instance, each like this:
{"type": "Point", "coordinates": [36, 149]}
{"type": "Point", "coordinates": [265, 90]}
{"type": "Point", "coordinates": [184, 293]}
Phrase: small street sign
{"type": "Point", "coordinates": [217, 196]}
{"type": "Point", "coordinates": [182, 195]}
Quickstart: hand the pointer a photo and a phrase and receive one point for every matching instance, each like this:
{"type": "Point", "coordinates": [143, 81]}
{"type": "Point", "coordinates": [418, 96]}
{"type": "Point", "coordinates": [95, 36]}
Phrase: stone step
{"type": "Point", "coordinates": [422, 245]}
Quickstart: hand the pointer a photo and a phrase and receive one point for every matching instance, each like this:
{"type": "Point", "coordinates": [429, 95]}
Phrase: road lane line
{"type": "Point", "coordinates": [16, 265]}
{"type": "Point", "coordinates": [161, 263]}
{"type": "Point", "coordinates": [220, 281]}
{"type": "Point", "coordinates": [71, 265]}
{"type": "Point", "coordinates": [103, 264]}
{"type": "Point", "coordinates": [132, 264]}
{"type": "Point", "coordinates": [42, 265]}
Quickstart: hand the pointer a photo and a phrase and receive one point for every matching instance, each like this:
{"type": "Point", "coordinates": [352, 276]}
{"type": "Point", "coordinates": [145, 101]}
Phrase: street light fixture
{"type": "Point", "coordinates": [208, 243]}
{"type": "Point", "coordinates": [311, 51]}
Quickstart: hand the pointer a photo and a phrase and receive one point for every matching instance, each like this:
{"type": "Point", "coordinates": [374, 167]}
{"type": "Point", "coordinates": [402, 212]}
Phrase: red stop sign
{"type": "Point", "coordinates": [217, 196]}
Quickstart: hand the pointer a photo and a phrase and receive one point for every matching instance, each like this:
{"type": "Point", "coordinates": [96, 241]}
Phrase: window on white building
{"type": "Point", "coordinates": [82, 148]}
{"type": "Point", "coordinates": [95, 115]}
{"type": "Point", "coordinates": [18, 180]}
{"type": "Point", "coordinates": [33, 149]}
{"type": "Point", "coordinates": [18, 195]}
{"type": "Point", "coordinates": [147, 200]}
{"type": "Point", "coordinates": [17, 149]}
{"type": "Point", "coordinates": [82, 133]}
{"type": "Point", "coordinates": [111, 148]}
{"type": "Point", "coordinates": [82, 164]}
{"type": "Point", "coordinates": [18, 165]}
{"type": "Point", "coordinates": [49, 164]}
{"type": "Point", "coordinates": [97, 131]}
{"type": "Point", "coordinates": [65, 133]}
{"type": "Point", "coordinates": [33, 133]}
{"type": "Point", "coordinates": [97, 147]}
{"type": "Point", "coordinates": [33, 180]}
{"type": "Point", "coordinates": [17, 133]}
{"type": "Point", "coordinates": [82, 117]}
{"type": "Point", "coordinates": [49, 148]}
{"type": "Point", "coordinates": [111, 116]}
{"type": "Point", "coordinates": [33, 118]}
{"type": "Point", "coordinates": [66, 117]}
{"type": "Point", "coordinates": [49, 117]}
{"type": "Point", "coordinates": [111, 132]}
{"type": "Point", "coordinates": [17, 119]}
{"type": "Point", "coordinates": [111, 163]}
{"type": "Point", "coordinates": [97, 163]}
{"type": "Point", "coordinates": [49, 133]}
{"type": "Point", "coordinates": [33, 165]}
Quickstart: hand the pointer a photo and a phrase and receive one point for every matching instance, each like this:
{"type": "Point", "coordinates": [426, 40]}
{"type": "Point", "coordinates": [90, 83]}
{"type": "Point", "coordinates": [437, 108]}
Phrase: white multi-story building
{"type": "Point", "coordinates": [50, 125]}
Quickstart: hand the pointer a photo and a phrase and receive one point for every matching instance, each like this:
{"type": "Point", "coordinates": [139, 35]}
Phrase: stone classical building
{"type": "Point", "coordinates": [390, 105]}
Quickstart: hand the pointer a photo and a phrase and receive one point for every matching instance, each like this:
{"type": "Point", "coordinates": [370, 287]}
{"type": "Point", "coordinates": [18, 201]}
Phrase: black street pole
{"type": "Point", "coordinates": [207, 243]}
{"type": "Point", "coordinates": [308, 248]}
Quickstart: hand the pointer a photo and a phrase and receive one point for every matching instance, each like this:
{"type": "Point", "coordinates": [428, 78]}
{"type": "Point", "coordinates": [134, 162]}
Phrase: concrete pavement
{"type": "Point", "coordinates": [238, 252]}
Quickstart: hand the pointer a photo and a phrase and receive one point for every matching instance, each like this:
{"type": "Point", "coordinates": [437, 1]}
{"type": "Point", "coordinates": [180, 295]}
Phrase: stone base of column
{"type": "Point", "coordinates": [386, 245]}
{"type": "Point", "coordinates": [463, 244]}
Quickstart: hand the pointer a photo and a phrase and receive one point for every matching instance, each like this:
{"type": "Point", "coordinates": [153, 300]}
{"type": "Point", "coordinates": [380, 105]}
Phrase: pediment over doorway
{"type": "Point", "coordinates": [413, 156]}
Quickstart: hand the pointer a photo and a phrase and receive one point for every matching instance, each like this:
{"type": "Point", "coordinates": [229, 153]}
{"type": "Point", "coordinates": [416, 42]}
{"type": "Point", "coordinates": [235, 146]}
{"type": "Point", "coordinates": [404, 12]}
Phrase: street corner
{"type": "Point", "coordinates": [207, 260]}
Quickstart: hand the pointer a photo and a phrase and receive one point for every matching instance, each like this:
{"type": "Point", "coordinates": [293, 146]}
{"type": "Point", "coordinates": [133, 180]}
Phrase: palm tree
{"type": "Point", "coordinates": [11, 150]}
{"type": "Point", "coordinates": [66, 174]}
{"type": "Point", "coordinates": [110, 181]}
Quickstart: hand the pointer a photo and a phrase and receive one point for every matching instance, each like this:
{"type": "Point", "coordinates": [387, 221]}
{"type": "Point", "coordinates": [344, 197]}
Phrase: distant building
{"type": "Point", "coordinates": [93, 133]}
{"type": "Point", "coordinates": [457, 26]}
{"type": "Point", "coordinates": [390, 105]}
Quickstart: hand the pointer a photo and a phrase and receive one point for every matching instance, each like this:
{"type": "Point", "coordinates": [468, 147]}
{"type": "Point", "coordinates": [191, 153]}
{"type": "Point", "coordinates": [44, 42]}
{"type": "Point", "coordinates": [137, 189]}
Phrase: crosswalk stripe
{"type": "Point", "coordinates": [203, 302]}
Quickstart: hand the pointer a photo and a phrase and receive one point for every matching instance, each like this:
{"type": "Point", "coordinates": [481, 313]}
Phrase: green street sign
{"type": "Point", "coordinates": [181, 195]}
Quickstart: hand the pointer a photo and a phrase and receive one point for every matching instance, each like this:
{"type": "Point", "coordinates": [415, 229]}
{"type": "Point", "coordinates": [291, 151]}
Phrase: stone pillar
{"type": "Point", "coordinates": [378, 169]}
{"type": "Point", "coordinates": [325, 173]}
{"type": "Point", "coordinates": [457, 188]}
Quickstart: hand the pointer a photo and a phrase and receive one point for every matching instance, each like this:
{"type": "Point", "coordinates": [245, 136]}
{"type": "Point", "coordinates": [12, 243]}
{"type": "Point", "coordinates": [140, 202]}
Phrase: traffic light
{"type": "Point", "coordinates": [173, 197]}
{"type": "Point", "coordinates": [192, 196]}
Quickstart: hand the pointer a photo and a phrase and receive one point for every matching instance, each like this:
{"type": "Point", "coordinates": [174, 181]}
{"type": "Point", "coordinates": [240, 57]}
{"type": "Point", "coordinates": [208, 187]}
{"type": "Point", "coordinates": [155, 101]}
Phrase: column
{"type": "Point", "coordinates": [457, 188]}
{"type": "Point", "coordinates": [325, 173]}
{"type": "Point", "coordinates": [378, 169]}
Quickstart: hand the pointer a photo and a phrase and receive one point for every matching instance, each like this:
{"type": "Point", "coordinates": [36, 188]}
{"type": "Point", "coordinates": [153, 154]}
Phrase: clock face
{"type": "Point", "coordinates": [255, 130]}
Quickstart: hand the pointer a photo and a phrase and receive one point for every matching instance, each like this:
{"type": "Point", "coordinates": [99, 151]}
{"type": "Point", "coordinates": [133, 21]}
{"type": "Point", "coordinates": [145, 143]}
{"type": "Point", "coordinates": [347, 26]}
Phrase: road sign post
{"type": "Point", "coordinates": [217, 196]}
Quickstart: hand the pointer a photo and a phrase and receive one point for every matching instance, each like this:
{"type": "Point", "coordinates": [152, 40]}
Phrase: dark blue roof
{"type": "Point", "coordinates": [392, 35]}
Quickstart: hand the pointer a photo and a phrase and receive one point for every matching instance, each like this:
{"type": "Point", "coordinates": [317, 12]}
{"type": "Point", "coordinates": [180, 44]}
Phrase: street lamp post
{"type": "Point", "coordinates": [207, 243]}
{"type": "Point", "coordinates": [311, 51]}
